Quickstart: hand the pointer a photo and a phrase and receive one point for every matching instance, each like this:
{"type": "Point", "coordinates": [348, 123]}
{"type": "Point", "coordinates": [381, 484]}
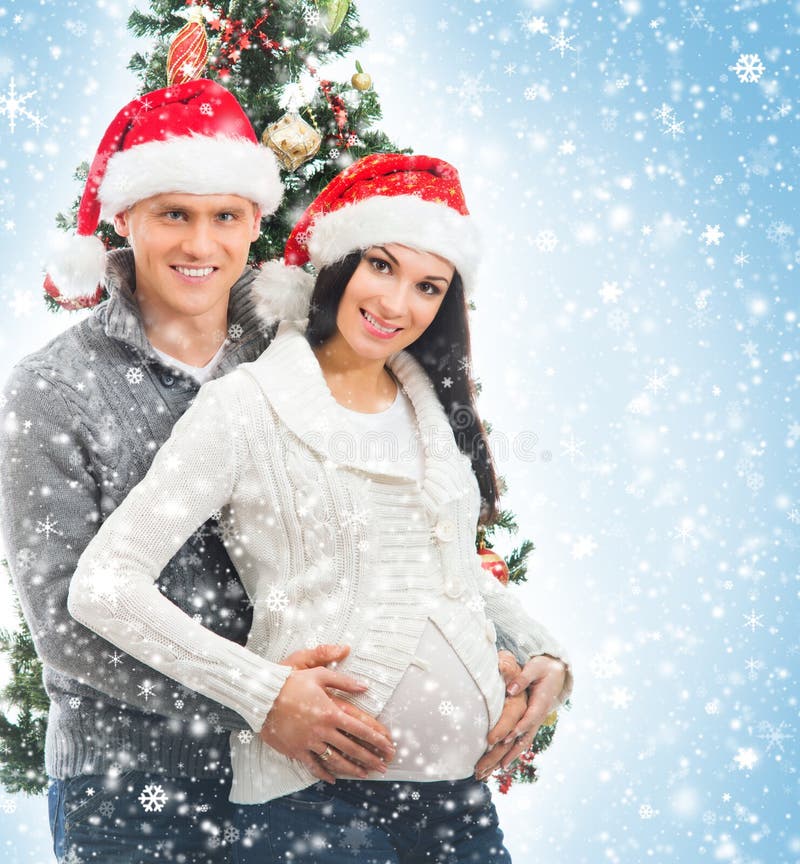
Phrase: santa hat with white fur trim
{"type": "Point", "coordinates": [191, 137]}
{"type": "Point", "coordinates": [415, 201]}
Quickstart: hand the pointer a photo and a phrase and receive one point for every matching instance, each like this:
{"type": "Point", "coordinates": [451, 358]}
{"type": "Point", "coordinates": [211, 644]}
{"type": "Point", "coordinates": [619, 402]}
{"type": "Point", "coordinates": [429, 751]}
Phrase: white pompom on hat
{"type": "Point", "coordinates": [413, 200]}
{"type": "Point", "coordinates": [192, 138]}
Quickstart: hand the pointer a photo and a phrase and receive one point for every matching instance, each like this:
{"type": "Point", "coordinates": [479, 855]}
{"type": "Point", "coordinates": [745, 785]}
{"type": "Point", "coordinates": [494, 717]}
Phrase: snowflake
{"type": "Point", "coordinates": [333, 153]}
{"type": "Point", "coordinates": [8, 805]}
{"type": "Point", "coordinates": [774, 735]}
{"type": "Point", "coordinates": [25, 560]}
{"type": "Point", "coordinates": [447, 383]}
{"type": "Point", "coordinates": [415, 795]}
{"type": "Point", "coordinates": [106, 809]}
{"type": "Point", "coordinates": [646, 811]}
{"type": "Point", "coordinates": [277, 599]}
{"type": "Point", "coordinates": [604, 666]}
{"type": "Point", "coordinates": [75, 702]}
{"type": "Point", "coordinates": [47, 527]}
{"type": "Point", "coordinates": [561, 44]}
{"type": "Point", "coordinates": [235, 331]}
{"type": "Point", "coordinates": [621, 697]}
{"type": "Point", "coordinates": [153, 798]}
{"type": "Point", "coordinates": [664, 114]}
{"type": "Point", "coordinates": [311, 16]}
{"type": "Point", "coordinates": [134, 375]}
{"type": "Point", "coordinates": [206, 109]}
{"type": "Point", "coordinates": [618, 320]}
{"type": "Point", "coordinates": [115, 659]}
{"type": "Point", "coordinates": [712, 235]}
{"type": "Point", "coordinates": [546, 240]}
{"type": "Point", "coordinates": [748, 68]}
{"type": "Point", "coordinates": [534, 25]}
{"type": "Point", "coordinates": [712, 707]}
{"type": "Point", "coordinates": [745, 758]}
{"type": "Point", "coordinates": [231, 834]}
{"type": "Point", "coordinates": [530, 93]}
{"type": "Point", "coordinates": [741, 259]}
{"type": "Point", "coordinates": [675, 128]}
{"type": "Point", "coordinates": [72, 857]}
{"type": "Point", "coordinates": [354, 836]}
{"type": "Point", "coordinates": [610, 292]}
{"type": "Point", "coordinates": [572, 448]}
{"type": "Point", "coordinates": [245, 736]}
{"type": "Point", "coordinates": [446, 708]}
{"type": "Point", "coordinates": [656, 382]}
{"type": "Point", "coordinates": [146, 689]}
{"type": "Point", "coordinates": [566, 148]}
{"type": "Point", "coordinates": [779, 232]}
{"type": "Point", "coordinates": [13, 106]}
{"type": "Point", "coordinates": [583, 547]}
{"type": "Point", "coordinates": [752, 620]}
{"type": "Point", "coordinates": [179, 703]}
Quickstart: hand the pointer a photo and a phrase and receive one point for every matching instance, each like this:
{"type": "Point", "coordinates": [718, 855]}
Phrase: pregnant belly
{"type": "Point", "coordinates": [438, 716]}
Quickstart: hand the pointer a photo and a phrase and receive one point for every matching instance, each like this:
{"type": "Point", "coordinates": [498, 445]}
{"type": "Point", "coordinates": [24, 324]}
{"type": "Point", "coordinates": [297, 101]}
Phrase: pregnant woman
{"type": "Point", "coordinates": [349, 470]}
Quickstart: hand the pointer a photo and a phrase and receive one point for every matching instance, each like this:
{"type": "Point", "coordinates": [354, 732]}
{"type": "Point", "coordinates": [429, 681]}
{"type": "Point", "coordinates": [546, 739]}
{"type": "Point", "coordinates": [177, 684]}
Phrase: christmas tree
{"type": "Point", "coordinates": [269, 57]}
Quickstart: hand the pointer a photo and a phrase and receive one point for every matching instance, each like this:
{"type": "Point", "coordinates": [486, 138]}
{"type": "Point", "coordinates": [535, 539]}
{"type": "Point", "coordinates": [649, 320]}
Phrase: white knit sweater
{"type": "Point", "coordinates": [328, 551]}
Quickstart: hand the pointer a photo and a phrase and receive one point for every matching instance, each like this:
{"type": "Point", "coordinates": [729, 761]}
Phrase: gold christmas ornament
{"type": "Point", "coordinates": [551, 718]}
{"type": "Point", "coordinates": [292, 140]}
{"type": "Point", "coordinates": [361, 80]}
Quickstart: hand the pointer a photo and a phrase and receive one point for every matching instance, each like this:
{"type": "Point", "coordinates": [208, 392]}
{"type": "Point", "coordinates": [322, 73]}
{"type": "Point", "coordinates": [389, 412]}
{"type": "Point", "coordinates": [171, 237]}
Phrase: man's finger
{"type": "Point", "coordinates": [315, 767]}
{"type": "Point", "coordinates": [514, 710]}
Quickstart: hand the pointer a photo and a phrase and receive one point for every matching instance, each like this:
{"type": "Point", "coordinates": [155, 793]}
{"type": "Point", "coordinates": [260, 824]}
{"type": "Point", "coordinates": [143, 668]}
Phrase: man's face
{"type": "Point", "coordinates": [189, 249]}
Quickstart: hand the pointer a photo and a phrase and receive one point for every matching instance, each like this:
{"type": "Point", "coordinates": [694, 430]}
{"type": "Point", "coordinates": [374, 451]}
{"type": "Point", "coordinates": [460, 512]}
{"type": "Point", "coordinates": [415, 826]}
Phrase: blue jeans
{"type": "Point", "coordinates": [374, 822]}
{"type": "Point", "coordinates": [140, 818]}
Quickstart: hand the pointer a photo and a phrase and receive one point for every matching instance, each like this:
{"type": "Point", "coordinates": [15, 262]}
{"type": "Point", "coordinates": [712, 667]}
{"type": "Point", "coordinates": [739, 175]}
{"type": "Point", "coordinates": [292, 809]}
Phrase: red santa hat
{"type": "Point", "coordinates": [191, 137]}
{"type": "Point", "coordinates": [416, 201]}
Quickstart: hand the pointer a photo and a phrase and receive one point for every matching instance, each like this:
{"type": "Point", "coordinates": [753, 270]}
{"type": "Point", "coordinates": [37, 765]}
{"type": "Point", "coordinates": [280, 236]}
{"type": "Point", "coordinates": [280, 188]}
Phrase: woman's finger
{"type": "Point", "coordinates": [352, 750]}
{"type": "Point", "coordinates": [521, 746]}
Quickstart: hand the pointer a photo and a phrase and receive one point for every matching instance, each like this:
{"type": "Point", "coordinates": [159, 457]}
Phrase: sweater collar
{"type": "Point", "coordinates": [292, 381]}
{"type": "Point", "coordinates": [122, 319]}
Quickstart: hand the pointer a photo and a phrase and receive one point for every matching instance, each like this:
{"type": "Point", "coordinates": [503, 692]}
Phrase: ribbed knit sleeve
{"type": "Point", "coordinates": [114, 589]}
{"type": "Point", "coordinates": [527, 635]}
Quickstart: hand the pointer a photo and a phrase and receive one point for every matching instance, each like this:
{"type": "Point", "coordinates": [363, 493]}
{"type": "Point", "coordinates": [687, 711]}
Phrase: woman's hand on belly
{"type": "Point", "coordinates": [514, 709]}
{"type": "Point", "coordinates": [543, 679]}
{"type": "Point", "coordinates": [309, 725]}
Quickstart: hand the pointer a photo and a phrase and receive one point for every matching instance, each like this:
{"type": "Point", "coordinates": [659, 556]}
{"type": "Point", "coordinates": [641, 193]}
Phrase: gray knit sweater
{"type": "Point", "coordinates": [82, 419]}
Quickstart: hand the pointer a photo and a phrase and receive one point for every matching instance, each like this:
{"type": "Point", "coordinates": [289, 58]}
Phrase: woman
{"type": "Point", "coordinates": [350, 469]}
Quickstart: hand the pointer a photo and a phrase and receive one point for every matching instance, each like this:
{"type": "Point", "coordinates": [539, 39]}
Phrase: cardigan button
{"type": "Point", "coordinates": [491, 633]}
{"type": "Point", "coordinates": [453, 588]}
{"type": "Point", "coordinates": [445, 531]}
{"type": "Point", "coordinates": [167, 380]}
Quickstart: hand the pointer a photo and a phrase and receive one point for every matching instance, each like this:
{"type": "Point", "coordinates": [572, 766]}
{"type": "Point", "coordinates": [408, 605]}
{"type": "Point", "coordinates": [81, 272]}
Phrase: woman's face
{"type": "Point", "coordinates": [391, 299]}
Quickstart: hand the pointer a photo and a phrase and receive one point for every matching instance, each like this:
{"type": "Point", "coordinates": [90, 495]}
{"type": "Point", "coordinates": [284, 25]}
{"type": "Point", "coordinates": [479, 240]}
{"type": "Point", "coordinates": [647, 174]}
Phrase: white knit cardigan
{"type": "Point", "coordinates": [329, 549]}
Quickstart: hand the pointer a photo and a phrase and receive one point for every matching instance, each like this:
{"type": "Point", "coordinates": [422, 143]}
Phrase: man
{"type": "Point", "coordinates": [140, 765]}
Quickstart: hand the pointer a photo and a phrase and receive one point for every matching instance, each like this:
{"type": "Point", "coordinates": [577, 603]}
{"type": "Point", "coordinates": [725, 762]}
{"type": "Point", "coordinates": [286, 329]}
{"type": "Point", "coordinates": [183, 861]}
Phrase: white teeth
{"type": "Point", "coordinates": [378, 326]}
{"type": "Point", "coordinates": [191, 271]}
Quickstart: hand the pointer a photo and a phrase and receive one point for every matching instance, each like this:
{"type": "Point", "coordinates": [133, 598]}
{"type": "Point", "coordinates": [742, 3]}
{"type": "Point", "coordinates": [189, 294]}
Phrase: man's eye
{"type": "Point", "coordinates": [226, 217]}
{"type": "Point", "coordinates": [174, 215]}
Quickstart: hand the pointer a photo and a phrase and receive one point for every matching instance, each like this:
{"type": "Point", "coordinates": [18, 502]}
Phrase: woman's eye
{"type": "Point", "coordinates": [429, 288]}
{"type": "Point", "coordinates": [380, 265]}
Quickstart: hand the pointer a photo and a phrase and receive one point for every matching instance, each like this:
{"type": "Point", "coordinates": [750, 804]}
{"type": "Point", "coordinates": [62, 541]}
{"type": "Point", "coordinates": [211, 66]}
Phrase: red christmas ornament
{"type": "Point", "coordinates": [493, 563]}
{"type": "Point", "coordinates": [188, 51]}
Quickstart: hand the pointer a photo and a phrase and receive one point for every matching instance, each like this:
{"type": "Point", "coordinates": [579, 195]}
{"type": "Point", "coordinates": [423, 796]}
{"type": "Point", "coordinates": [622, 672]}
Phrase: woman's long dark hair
{"type": "Point", "coordinates": [443, 351]}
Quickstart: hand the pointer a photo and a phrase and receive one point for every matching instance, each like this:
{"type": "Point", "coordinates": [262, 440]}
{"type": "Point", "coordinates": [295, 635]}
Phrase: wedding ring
{"type": "Point", "coordinates": [326, 754]}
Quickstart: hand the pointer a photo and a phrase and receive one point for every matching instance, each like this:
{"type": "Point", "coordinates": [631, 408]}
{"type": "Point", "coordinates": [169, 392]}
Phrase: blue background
{"type": "Point", "coordinates": [636, 338]}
